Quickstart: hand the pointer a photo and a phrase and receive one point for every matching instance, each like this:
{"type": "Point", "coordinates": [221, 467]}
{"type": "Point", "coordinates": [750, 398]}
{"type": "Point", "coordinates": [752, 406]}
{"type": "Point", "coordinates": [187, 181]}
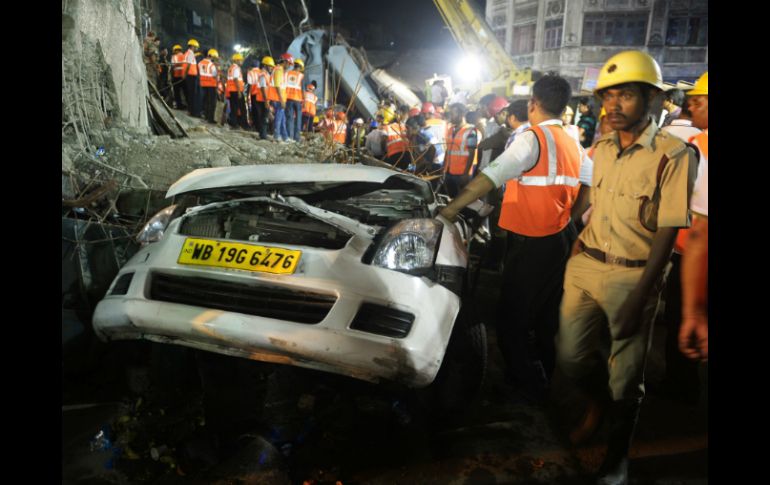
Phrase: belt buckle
{"type": "Point", "coordinates": [612, 259]}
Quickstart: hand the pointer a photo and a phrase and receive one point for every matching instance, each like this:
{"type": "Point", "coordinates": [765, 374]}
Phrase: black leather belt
{"type": "Point", "coordinates": [610, 259]}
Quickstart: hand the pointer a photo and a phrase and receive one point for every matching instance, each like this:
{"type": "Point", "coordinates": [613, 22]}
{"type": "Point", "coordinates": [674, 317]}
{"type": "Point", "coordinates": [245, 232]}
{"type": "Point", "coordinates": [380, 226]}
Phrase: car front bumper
{"type": "Point", "coordinates": [330, 345]}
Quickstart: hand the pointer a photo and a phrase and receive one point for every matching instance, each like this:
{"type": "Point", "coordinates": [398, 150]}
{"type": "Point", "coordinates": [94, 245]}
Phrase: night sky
{"type": "Point", "coordinates": [409, 24]}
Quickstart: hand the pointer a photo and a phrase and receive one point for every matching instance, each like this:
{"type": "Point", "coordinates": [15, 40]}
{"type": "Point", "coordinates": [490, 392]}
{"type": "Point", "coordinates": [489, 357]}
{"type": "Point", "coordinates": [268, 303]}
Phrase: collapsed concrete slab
{"type": "Point", "coordinates": [102, 64]}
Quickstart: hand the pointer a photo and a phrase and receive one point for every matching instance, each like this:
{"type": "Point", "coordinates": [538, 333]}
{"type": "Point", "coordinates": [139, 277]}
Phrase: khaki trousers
{"type": "Point", "coordinates": [593, 294]}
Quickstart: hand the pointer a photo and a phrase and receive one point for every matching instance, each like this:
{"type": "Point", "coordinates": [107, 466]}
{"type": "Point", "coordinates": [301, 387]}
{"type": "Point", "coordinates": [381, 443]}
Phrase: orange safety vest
{"type": "Point", "coordinates": [189, 58]}
{"type": "Point", "coordinates": [208, 74]}
{"type": "Point", "coordinates": [178, 65]}
{"type": "Point", "coordinates": [234, 80]}
{"type": "Point", "coordinates": [308, 106]}
{"type": "Point", "coordinates": [458, 151]}
{"type": "Point", "coordinates": [538, 203]}
{"type": "Point", "coordinates": [254, 75]}
{"type": "Point", "coordinates": [396, 142]}
{"type": "Point", "coordinates": [277, 81]}
{"type": "Point", "coordinates": [701, 140]}
{"type": "Point", "coordinates": [294, 85]}
{"type": "Point", "coordinates": [340, 130]}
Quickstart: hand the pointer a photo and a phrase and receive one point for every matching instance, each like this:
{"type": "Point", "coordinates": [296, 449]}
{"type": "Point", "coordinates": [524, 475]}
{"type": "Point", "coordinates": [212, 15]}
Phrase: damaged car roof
{"type": "Point", "coordinates": [322, 174]}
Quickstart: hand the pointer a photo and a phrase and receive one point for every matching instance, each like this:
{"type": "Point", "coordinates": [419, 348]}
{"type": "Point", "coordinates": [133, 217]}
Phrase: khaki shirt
{"type": "Point", "coordinates": [621, 180]}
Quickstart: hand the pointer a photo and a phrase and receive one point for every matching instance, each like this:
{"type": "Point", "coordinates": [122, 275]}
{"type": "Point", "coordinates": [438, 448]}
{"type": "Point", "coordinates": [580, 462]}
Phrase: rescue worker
{"type": "Point", "coordinates": [461, 156]}
{"type": "Point", "coordinates": [438, 128]}
{"type": "Point", "coordinates": [395, 143]}
{"type": "Point", "coordinates": [693, 336]}
{"type": "Point", "coordinates": [163, 75]}
{"type": "Point", "coordinates": [496, 134]}
{"type": "Point", "coordinates": [617, 266]}
{"type": "Point", "coordinates": [421, 144]}
{"type": "Point", "coordinates": [377, 138]}
{"type": "Point", "coordinates": [234, 90]}
{"type": "Point", "coordinates": [546, 175]}
{"type": "Point", "coordinates": [191, 78]}
{"type": "Point", "coordinates": [358, 134]}
{"type": "Point", "coordinates": [308, 107]}
{"type": "Point", "coordinates": [340, 128]}
{"type": "Point", "coordinates": [268, 67]}
{"type": "Point", "coordinates": [258, 98]}
{"type": "Point", "coordinates": [207, 69]}
{"type": "Point", "coordinates": [279, 106]}
{"type": "Point", "coordinates": [294, 98]}
{"type": "Point", "coordinates": [327, 126]}
{"type": "Point", "coordinates": [178, 68]}
{"type": "Point", "coordinates": [492, 124]}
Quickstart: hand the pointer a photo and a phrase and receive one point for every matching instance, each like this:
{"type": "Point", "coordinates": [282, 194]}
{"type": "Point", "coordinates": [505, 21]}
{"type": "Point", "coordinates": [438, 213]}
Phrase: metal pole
{"type": "Point", "coordinates": [331, 43]}
{"type": "Point", "coordinates": [263, 30]}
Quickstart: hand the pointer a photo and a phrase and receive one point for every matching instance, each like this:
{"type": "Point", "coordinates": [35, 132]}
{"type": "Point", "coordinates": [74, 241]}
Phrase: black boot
{"type": "Point", "coordinates": [623, 415]}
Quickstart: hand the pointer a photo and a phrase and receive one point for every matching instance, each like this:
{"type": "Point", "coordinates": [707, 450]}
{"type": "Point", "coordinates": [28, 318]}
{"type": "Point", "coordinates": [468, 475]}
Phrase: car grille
{"type": "Point", "coordinates": [260, 300]}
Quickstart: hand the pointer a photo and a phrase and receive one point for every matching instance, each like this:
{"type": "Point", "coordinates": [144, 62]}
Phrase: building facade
{"type": "Point", "coordinates": [576, 37]}
{"type": "Point", "coordinates": [221, 24]}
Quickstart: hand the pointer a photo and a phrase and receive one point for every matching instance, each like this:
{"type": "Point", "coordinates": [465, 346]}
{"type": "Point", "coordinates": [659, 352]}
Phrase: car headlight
{"type": "Point", "coordinates": [153, 230]}
{"type": "Point", "coordinates": [409, 246]}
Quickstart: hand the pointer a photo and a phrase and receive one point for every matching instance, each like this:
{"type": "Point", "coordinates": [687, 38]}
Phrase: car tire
{"type": "Point", "coordinates": [463, 369]}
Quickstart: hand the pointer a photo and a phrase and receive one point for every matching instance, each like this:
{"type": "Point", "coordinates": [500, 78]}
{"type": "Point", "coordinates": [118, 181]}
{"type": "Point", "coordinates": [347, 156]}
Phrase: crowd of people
{"type": "Point", "coordinates": [599, 220]}
{"type": "Point", "coordinates": [601, 215]}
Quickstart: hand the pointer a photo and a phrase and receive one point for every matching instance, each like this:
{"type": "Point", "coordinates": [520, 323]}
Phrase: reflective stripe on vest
{"type": "Point", "coordinates": [396, 143]}
{"type": "Point", "coordinates": [178, 65]}
{"type": "Point", "coordinates": [294, 85]}
{"type": "Point", "coordinates": [189, 58]}
{"type": "Point", "coordinates": [340, 130]}
{"type": "Point", "coordinates": [438, 129]}
{"type": "Point", "coordinates": [276, 81]}
{"type": "Point", "coordinates": [254, 77]}
{"type": "Point", "coordinates": [234, 79]}
{"type": "Point", "coordinates": [308, 105]}
{"type": "Point", "coordinates": [208, 73]}
{"type": "Point", "coordinates": [539, 203]}
{"type": "Point", "coordinates": [457, 152]}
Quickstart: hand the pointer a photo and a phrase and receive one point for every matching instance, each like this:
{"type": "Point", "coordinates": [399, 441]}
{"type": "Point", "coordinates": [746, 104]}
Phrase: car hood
{"type": "Point", "coordinates": [304, 178]}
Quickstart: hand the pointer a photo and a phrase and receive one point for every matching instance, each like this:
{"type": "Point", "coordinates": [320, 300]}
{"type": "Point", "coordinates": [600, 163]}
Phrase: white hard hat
{"type": "Point", "coordinates": [358, 121]}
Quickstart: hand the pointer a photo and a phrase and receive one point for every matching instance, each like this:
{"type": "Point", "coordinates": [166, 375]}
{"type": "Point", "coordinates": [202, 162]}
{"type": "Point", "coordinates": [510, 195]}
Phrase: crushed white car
{"type": "Point", "coordinates": [339, 268]}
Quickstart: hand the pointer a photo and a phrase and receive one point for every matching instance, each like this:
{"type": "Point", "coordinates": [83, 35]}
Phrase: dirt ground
{"type": "Point", "coordinates": [214, 419]}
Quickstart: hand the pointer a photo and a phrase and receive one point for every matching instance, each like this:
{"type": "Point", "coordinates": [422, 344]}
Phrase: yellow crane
{"type": "Point", "coordinates": [499, 73]}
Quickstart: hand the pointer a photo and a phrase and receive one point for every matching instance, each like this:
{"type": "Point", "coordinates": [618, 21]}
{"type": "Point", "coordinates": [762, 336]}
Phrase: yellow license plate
{"type": "Point", "coordinates": [249, 257]}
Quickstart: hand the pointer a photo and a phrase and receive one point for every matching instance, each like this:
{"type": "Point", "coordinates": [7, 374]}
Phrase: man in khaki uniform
{"type": "Point", "coordinates": [615, 274]}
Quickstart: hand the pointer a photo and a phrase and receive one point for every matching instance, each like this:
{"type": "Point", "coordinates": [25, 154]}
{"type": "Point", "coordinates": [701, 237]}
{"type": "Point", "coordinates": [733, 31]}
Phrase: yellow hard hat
{"type": "Point", "coordinates": [300, 63]}
{"type": "Point", "coordinates": [237, 57]}
{"type": "Point", "coordinates": [629, 67]}
{"type": "Point", "coordinates": [701, 86]}
{"type": "Point", "coordinates": [176, 47]}
{"type": "Point", "coordinates": [268, 61]}
{"type": "Point", "coordinates": [193, 43]}
{"type": "Point", "coordinates": [213, 53]}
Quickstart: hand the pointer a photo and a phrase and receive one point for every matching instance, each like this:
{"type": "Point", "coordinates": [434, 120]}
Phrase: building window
{"type": "Point", "coordinates": [523, 39]}
{"type": "Point", "coordinates": [614, 29]}
{"type": "Point", "coordinates": [526, 12]}
{"type": "Point", "coordinates": [500, 36]}
{"type": "Point", "coordinates": [499, 20]}
{"type": "Point", "coordinates": [553, 30]}
{"type": "Point", "coordinates": [687, 30]}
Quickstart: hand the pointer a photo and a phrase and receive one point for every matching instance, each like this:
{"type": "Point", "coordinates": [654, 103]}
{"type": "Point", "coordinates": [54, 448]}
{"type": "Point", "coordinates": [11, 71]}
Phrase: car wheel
{"type": "Point", "coordinates": [462, 372]}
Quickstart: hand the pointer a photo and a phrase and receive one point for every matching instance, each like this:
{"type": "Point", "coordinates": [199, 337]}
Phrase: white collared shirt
{"type": "Point", "coordinates": [521, 156]}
